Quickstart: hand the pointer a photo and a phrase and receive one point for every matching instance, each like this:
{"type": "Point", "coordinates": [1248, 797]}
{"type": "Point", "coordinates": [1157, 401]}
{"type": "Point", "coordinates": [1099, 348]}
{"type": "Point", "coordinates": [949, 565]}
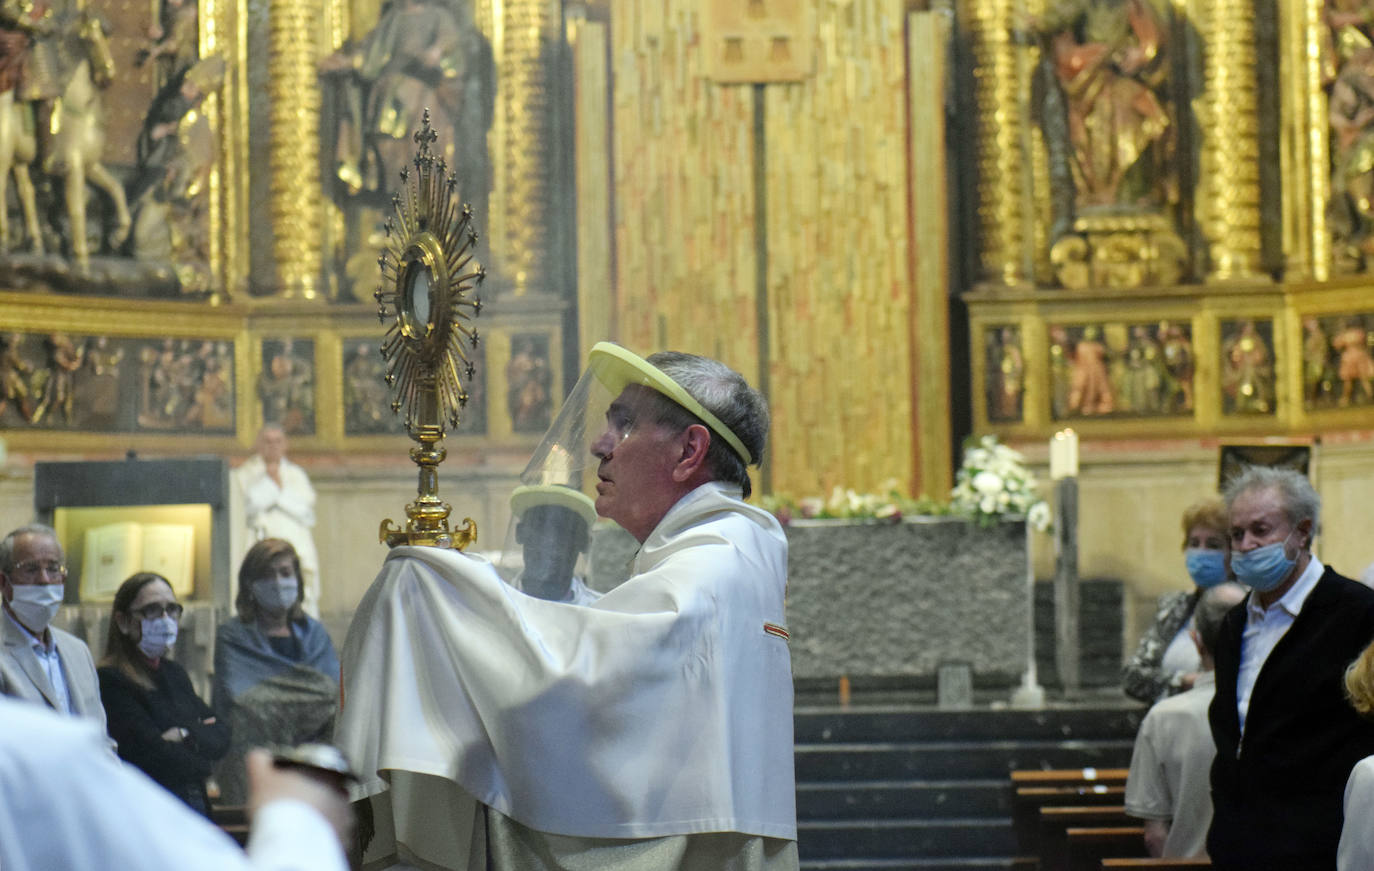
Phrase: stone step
{"type": "Point", "coordinates": [906, 838]}
{"type": "Point", "coordinates": [887, 799]}
{"type": "Point", "coordinates": [966, 863]}
{"type": "Point", "coordinates": [950, 760]}
{"type": "Point", "coordinates": [815, 725]}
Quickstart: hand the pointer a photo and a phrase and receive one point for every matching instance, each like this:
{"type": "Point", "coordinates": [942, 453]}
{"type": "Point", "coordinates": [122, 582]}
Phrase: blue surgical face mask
{"type": "Point", "coordinates": [159, 634]}
{"type": "Point", "coordinates": [1264, 568]}
{"type": "Point", "coordinates": [275, 594]}
{"type": "Point", "coordinates": [1206, 567]}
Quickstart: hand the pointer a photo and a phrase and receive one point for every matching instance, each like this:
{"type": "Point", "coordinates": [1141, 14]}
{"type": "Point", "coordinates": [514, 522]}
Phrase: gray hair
{"type": "Point", "coordinates": [1300, 501]}
{"type": "Point", "coordinates": [7, 543]}
{"type": "Point", "coordinates": [1211, 609]}
{"type": "Point", "coordinates": [723, 392]}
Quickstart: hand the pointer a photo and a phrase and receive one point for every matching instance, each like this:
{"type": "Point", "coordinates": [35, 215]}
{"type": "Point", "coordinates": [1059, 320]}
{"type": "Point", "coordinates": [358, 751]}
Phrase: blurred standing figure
{"type": "Point", "coordinates": [271, 497]}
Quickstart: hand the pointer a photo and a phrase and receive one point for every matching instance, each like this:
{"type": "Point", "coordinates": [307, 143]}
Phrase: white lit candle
{"type": "Point", "coordinates": [1064, 455]}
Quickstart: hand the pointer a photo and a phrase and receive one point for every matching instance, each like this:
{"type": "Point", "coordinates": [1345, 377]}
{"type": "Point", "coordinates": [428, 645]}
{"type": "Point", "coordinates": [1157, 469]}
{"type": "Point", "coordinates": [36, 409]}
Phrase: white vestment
{"type": "Point", "coordinates": [662, 709]}
{"type": "Point", "coordinates": [260, 508]}
{"type": "Point", "coordinates": [67, 803]}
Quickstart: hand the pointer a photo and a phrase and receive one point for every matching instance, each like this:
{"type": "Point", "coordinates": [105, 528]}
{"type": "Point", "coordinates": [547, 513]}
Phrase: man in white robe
{"type": "Point", "coordinates": [271, 497]}
{"type": "Point", "coordinates": [651, 729]}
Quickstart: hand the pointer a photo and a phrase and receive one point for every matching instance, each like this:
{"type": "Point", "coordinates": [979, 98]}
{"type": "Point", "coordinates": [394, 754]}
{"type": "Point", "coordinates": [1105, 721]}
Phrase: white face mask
{"type": "Point", "coordinates": [275, 594]}
{"type": "Point", "coordinates": [159, 634]}
{"type": "Point", "coordinates": [36, 604]}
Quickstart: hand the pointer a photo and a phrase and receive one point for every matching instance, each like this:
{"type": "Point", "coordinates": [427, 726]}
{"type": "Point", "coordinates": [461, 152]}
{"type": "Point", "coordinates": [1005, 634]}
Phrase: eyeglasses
{"type": "Point", "coordinates": [34, 569]}
{"type": "Point", "coordinates": [157, 609]}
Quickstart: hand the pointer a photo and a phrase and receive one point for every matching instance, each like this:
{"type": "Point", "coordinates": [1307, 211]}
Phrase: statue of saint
{"type": "Point", "coordinates": [1248, 371]}
{"type": "Point", "coordinates": [1111, 62]}
{"type": "Point", "coordinates": [1090, 387]}
{"type": "Point", "coordinates": [1356, 364]}
{"type": "Point", "coordinates": [422, 55]}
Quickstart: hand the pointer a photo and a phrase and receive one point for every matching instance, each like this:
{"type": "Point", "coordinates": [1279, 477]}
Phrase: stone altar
{"type": "Point", "coordinates": [887, 603]}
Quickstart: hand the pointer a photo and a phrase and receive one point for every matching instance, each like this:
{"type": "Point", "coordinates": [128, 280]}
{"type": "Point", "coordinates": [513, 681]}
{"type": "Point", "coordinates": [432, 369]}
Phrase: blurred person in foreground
{"type": "Point", "coordinates": [650, 729]}
{"type": "Point", "coordinates": [1168, 786]}
{"type": "Point", "coordinates": [1285, 732]}
{"type": "Point", "coordinates": [1166, 660]}
{"type": "Point", "coordinates": [70, 805]}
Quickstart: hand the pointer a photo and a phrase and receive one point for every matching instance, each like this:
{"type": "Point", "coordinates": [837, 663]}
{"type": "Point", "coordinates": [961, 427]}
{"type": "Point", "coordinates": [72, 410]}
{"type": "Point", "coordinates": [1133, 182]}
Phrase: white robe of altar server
{"type": "Point", "coordinates": [663, 709]}
{"type": "Point", "coordinates": [261, 508]}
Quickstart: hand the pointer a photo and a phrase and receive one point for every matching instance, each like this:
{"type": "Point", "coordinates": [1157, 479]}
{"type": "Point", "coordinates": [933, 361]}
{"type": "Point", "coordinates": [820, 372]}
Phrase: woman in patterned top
{"type": "Point", "coordinates": [1166, 660]}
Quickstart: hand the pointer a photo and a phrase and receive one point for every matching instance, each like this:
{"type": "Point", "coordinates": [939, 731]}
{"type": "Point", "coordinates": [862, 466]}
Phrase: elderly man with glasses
{"type": "Point", "coordinates": [39, 662]}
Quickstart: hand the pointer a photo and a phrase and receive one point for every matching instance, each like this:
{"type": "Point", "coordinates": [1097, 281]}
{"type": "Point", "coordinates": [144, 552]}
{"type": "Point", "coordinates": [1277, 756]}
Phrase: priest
{"type": "Point", "coordinates": [649, 729]}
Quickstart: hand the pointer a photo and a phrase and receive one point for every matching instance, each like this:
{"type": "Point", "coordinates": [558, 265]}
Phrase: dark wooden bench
{"type": "Point", "coordinates": [1054, 825]}
{"type": "Point", "coordinates": [1068, 776]}
{"type": "Point", "coordinates": [1085, 848]}
{"type": "Point", "coordinates": [1028, 800]}
{"type": "Point", "coordinates": [233, 819]}
{"type": "Point", "coordinates": [1157, 864]}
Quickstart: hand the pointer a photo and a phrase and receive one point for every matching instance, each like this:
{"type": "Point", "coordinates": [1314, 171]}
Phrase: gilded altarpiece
{"type": "Point", "coordinates": [1191, 262]}
{"type": "Point", "coordinates": [765, 218]}
{"type": "Point", "coordinates": [215, 111]}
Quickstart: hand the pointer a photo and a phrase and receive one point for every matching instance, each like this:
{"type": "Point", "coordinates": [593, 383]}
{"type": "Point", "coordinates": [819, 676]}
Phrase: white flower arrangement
{"type": "Point", "coordinates": [993, 482]}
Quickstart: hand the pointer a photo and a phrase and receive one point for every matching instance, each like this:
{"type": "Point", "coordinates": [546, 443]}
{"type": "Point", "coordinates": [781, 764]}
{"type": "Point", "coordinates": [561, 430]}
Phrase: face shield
{"type": "Point", "coordinates": [616, 397]}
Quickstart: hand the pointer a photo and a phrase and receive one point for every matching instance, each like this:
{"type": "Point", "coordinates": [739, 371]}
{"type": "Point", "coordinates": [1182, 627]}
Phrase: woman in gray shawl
{"type": "Point", "coordinates": [276, 672]}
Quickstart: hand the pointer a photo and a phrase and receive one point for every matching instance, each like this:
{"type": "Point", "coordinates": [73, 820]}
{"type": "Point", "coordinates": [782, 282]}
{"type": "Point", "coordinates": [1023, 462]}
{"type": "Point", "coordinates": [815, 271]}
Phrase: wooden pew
{"type": "Point", "coordinates": [1069, 776]}
{"type": "Point", "coordinates": [1085, 848]}
{"type": "Point", "coordinates": [233, 819]}
{"type": "Point", "coordinates": [1157, 864]}
{"type": "Point", "coordinates": [1055, 823]}
{"type": "Point", "coordinates": [1028, 800]}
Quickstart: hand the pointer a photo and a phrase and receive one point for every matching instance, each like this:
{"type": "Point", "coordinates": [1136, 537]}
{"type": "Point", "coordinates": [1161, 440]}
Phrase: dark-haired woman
{"type": "Point", "coordinates": [276, 672]}
{"type": "Point", "coordinates": [152, 711]}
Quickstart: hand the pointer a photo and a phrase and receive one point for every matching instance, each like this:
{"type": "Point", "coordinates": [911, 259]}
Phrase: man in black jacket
{"type": "Point", "coordinates": [1286, 736]}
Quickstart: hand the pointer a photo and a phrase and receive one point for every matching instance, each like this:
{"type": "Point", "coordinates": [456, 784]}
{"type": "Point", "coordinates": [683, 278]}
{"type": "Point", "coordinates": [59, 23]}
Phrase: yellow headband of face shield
{"type": "Point", "coordinates": [525, 497]}
{"type": "Point", "coordinates": [617, 368]}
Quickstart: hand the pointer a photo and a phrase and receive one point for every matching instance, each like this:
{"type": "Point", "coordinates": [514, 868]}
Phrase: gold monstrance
{"type": "Point", "coordinates": [429, 281]}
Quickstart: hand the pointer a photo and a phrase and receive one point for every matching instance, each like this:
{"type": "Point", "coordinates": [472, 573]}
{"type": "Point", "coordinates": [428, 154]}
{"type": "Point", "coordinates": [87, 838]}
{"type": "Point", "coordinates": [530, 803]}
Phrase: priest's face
{"type": "Point", "coordinates": [637, 454]}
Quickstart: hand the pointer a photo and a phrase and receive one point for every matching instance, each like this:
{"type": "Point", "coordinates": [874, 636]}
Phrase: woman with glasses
{"type": "Point", "coordinates": [153, 712]}
{"type": "Point", "coordinates": [276, 672]}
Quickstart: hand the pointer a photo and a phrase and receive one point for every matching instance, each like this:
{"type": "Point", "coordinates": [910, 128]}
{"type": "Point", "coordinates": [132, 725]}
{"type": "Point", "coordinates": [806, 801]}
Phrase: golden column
{"type": "Point", "coordinates": [1304, 151]}
{"type": "Point", "coordinates": [294, 154]}
{"type": "Point", "coordinates": [1002, 139]}
{"type": "Point", "coordinates": [523, 32]}
{"type": "Point", "coordinates": [1228, 185]}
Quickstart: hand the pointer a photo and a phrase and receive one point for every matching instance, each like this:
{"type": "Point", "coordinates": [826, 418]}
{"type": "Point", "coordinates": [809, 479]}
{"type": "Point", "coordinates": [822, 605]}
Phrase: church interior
{"type": "Point", "coordinates": [923, 222]}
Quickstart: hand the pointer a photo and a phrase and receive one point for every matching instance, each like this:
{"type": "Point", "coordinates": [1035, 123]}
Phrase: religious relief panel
{"type": "Point", "coordinates": [1247, 366]}
{"type": "Point", "coordinates": [104, 131]}
{"type": "Point", "coordinates": [1348, 75]}
{"type": "Point", "coordinates": [62, 381]}
{"type": "Point", "coordinates": [1338, 361]}
{"type": "Point", "coordinates": [1005, 378]}
{"type": "Point", "coordinates": [529, 383]}
{"type": "Point", "coordinates": [367, 399]}
{"type": "Point", "coordinates": [286, 384]}
{"type": "Point", "coordinates": [1121, 370]}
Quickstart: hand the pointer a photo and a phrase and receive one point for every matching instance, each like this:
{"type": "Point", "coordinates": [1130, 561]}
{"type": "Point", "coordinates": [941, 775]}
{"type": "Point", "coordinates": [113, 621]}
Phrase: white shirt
{"type": "Point", "coordinates": [1356, 850]}
{"type": "Point", "coordinates": [67, 803]}
{"type": "Point", "coordinates": [1171, 766]}
{"type": "Point", "coordinates": [1263, 629]}
{"type": "Point", "coordinates": [50, 662]}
